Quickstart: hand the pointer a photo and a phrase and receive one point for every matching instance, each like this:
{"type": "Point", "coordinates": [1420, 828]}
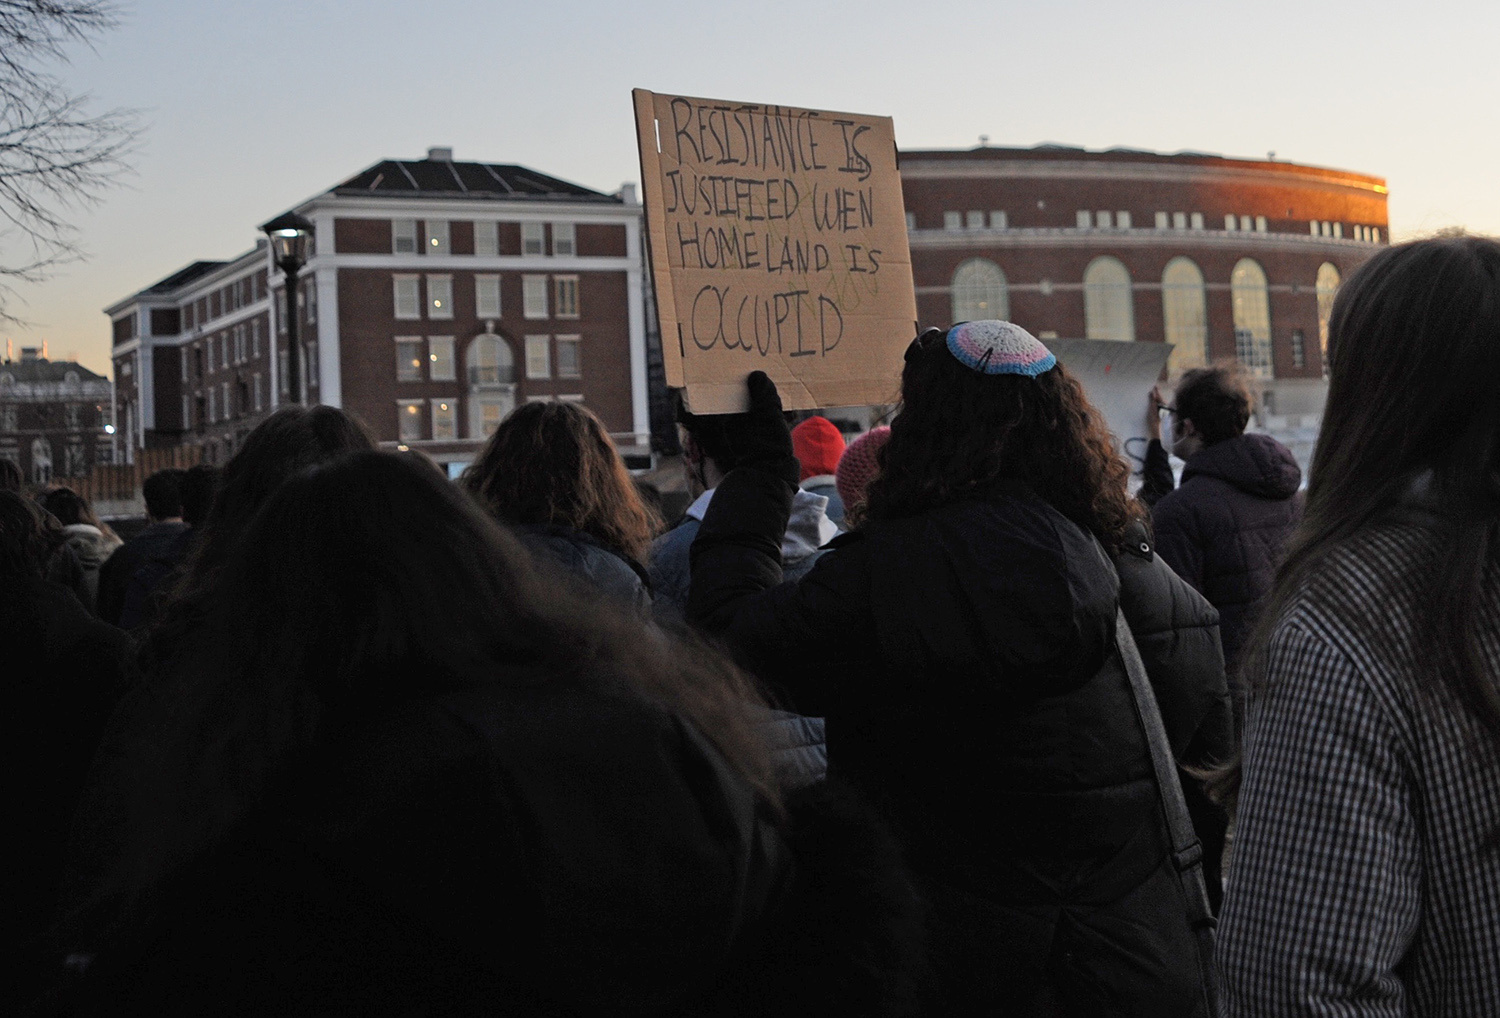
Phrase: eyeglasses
{"type": "Point", "coordinates": [924, 342]}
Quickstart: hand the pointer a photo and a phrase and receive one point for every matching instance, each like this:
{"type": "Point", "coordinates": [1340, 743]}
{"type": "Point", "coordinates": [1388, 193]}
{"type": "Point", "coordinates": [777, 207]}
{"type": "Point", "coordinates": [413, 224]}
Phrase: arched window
{"type": "Point", "coordinates": [1328, 287]}
{"type": "Point", "coordinates": [979, 292]}
{"type": "Point", "coordinates": [41, 461]}
{"type": "Point", "coordinates": [1184, 314]}
{"type": "Point", "coordinates": [1252, 317]}
{"type": "Point", "coordinates": [1108, 307]}
{"type": "Point", "coordinates": [490, 361]}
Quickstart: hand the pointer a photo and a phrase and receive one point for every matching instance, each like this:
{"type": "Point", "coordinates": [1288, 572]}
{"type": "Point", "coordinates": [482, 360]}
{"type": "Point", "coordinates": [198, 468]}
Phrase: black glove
{"type": "Point", "coordinates": [765, 443]}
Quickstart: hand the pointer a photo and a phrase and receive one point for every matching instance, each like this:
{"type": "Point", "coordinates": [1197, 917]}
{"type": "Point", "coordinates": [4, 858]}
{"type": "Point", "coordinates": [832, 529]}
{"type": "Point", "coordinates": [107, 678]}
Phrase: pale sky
{"type": "Point", "coordinates": [250, 108]}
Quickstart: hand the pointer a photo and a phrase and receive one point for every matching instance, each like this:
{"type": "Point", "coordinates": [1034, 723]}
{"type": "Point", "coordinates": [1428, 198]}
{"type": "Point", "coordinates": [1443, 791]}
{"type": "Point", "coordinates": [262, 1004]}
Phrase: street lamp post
{"type": "Point", "coordinates": [290, 235]}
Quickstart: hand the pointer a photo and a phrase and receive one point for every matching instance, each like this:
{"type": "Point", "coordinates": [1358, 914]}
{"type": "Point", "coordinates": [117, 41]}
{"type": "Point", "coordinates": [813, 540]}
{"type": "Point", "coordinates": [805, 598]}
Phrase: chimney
{"type": "Point", "coordinates": [627, 194]}
{"type": "Point", "coordinates": [440, 155]}
{"type": "Point", "coordinates": [30, 353]}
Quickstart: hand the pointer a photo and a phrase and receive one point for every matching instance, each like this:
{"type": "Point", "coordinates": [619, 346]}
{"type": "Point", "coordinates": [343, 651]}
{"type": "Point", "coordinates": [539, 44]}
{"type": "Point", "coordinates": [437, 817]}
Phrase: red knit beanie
{"type": "Point", "coordinates": [818, 444]}
{"type": "Point", "coordinates": [858, 466]}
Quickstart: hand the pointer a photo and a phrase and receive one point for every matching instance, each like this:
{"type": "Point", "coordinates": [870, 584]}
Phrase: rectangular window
{"type": "Point", "coordinates": [187, 412]}
{"type": "Point", "coordinates": [441, 365]}
{"type": "Point", "coordinates": [439, 296]}
{"type": "Point", "coordinates": [534, 296]}
{"type": "Point", "coordinates": [311, 353]}
{"type": "Point", "coordinates": [567, 296]}
{"type": "Point", "coordinates": [409, 420]}
{"type": "Point", "coordinates": [212, 409]}
{"type": "Point", "coordinates": [486, 238]}
{"type": "Point", "coordinates": [404, 236]}
{"type": "Point", "coordinates": [189, 317]}
{"type": "Point", "coordinates": [1374, 235]}
{"type": "Point", "coordinates": [569, 352]}
{"type": "Point", "coordinates": [1338, 230]}
{"type": "Point", "coordinates": [1104, 220]}
{"type": "Point", "coordinates": [408, 297]}
{"type": "Point", "coordinates": [281, 367]}
{"type": "Point", "coordinates": [911, 221]}
{"type": "Point", "coordinates": [999, 220]}
{"type": "Point", "coordinates": [1085, 219]}
{"type": "Point", "coordinates": [1179, 220]}
{"type": "Point", "coordinates": [255, 338]}
{"type": "Point", "coordinates": [1245, 223]}
{"type": "Point", "coordinates": [1163, 221]}
{"type": "Point", "coordinates": [256, 390]}
{"type": "Point", "coordinates": [538, 359]}
{"type": "Point", "coordinates": [445, 418]}
{"type": "Point", "coordinates": [564, 240]}
{"type": "Point", "coordinates": [1299, 349]}
{"type": "Point", "coordinates": [1312, 227]}
{"type": "Point", "coordinates": [953, 221]}
{"type": "Point", "coordinates": [487, 296]}
{"type": "Point", "coordinates": [532, 238]}
{"type": "Point", "coordinates": [224, 400]}
{"type": "Point", "coordinates": [1229, 221]}
{"type": "Point", "coordinates": [1260, 224]}
{"type": "Point", "coordinates": [437, 237]}
{"type": "Point", "coordinates": [182, 359]}
{"type": "Point", "coordinates": [570, 397]}
{"type": "Point", "coordinates": [974, 220]}
{"type": "Point", "coordinates": [1197, 220]}
{"type": "Point", "coordinates": [408, 358]}
{"type": "Point", "coordinates": [1122, 220]}
{"type": "Point", "coordinates": [491, 413]}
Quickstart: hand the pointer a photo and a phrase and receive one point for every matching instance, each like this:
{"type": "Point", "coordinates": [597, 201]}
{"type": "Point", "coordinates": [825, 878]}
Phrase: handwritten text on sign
{"type": "Point", "coordinates": [778, 241]}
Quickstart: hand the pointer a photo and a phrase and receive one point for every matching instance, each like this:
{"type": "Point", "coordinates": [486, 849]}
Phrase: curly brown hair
{"type": "Point", "coordinates": [961, 434]}
{"type": "Point", "coordinates": [553, 464]}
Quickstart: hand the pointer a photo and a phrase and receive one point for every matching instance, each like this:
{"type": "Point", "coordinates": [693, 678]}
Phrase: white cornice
{"type": "Point", "coordinates": [473, 263]}
{"type": "Point", "coordinates": [999, 169]}
{"type": "Point", "coordinates": [476, 207]}
{"type": "Point", "coordinates": [1143, 238]}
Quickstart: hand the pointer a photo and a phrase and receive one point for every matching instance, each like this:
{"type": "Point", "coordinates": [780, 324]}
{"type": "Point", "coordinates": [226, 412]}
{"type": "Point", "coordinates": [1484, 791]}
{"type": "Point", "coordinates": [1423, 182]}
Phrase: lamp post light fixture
{"type": "Point", "coordinates": [291, 235]}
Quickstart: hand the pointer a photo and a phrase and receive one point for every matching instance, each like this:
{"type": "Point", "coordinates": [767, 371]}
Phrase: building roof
{"type": "Point", "coordinates": [443, 178]}
{"type": "Point", "coordinates": [42, 370]}
{"type": "Point", "coordinates": [181, 278]}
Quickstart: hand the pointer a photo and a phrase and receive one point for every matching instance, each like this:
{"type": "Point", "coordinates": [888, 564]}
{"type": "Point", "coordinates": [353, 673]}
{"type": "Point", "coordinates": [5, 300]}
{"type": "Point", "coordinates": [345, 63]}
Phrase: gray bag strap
{"type": "Point", "coordinates": [1187, 850]}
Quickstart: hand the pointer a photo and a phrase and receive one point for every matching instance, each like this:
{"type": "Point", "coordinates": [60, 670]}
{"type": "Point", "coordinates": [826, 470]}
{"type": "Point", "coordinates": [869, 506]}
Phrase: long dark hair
{"type": "Point", "coordinates": [962, 434]}
{"type": "Point", "coordinates": [360, 584]}
{"type": "Point", "coordinates": [554, 464]}
{"type": "Point", "coordinates": [1414, 351]}
{"type": "Point", "coordinates": [71, 509]}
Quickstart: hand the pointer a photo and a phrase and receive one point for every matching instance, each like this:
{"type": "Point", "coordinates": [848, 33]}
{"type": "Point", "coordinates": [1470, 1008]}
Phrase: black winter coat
{"type": "Point", "coordinates": [599, 568]}
{"type": "Point", "coordinates": [965, 662]}
{"type": "Point", "coordinates": [1225, 528]}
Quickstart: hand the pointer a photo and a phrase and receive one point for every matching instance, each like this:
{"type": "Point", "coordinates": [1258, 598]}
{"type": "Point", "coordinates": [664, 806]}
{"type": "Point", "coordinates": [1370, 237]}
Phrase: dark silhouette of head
{"type": "Point", "coordinates": [10, 475]}
{"type": "Point", "coordinates": [28, 535]}
{"type": "Point", "coordinates": [163, 494]}
{"type": "Point", "coordinates": [553, 464]}
{"type": "Point", "coordinates": [964, 434]}
{"type": "Point", "coordinates": [199, 485]}
{"type": "Point", "coordinates": [69, 507]}
{"type": "Point", "coordinates": [1216, 400]}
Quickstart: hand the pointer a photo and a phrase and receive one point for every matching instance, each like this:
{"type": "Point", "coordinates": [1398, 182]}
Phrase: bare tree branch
{"type": "Point", "coordinates": [55, 156]}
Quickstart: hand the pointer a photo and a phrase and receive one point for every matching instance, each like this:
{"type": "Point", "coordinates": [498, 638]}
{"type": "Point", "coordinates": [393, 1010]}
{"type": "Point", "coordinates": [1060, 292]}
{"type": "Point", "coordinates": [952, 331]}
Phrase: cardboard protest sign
{"type": "Point", "coordinates": [1118, 378]}
{"type": "Point", "coordinates": [778, 242]}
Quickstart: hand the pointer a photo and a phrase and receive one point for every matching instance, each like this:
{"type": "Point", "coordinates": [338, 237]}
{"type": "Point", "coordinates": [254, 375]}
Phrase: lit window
{"type": "Point", "coordinates": [534, 296]}
{"type": "Point", "coordinates": [974, 220]}
{"type": "Point", "coordinates": [408, 297]}
{"type": "Point", "coordinates": [1197, 218]}
{"type": "Point", "coordinates": [569, 354]}
{"type": "Point", "coordinates": [1375, 235]}
{"type": "Point", "coordinates": [1252, 317]}
{"type": "Point", "coordinates": [1104, 220]}
{"type": "Point", "coordinates": [486, 238]}
{"type": "Point", "coordinates": [567, 296]}
{"type": "Point", "coordinates": [564, 240]}
{"type": "Point", "coordinates": [1108, 305]}
{"type": "Point", "coordinates": [441, 366]}
{"type": "Point", "coordinates": [953, 221]}
{"type": "Point", "coordinates": [532, 238]}
{"type": "Point", "coordinates": [491, 413]}
{"type": "Point", "coordinates": [487, 296]}
{"type": "Point", "coordinates": [1299, 349]}
{"type": "Point", "coordinates": [911, 221]}
{"type": "Point", "coordinates": [439, 296]}
{"type": "Point", "coordinates": [437, 237]}
{"type": "Point", "coordinates": [1261, 224]}
{"type": "Point", "coordinates": [1163, 221]}
{"type": "Point", "coordinates": [1327, 287]}
{"type": "Point", "coordinates": [1122, 220]}
{"type": "Point", "coordinates": [1230, 222]}
{"type": "Point", "coordinates": [1184, 315]}
{"type": "Point", "coordinates": [999, 220]}
{"type": "Point", "coordinates": [1085, 219]}
{"type": "Point", "coordinates": [409, 421]}
{"type": "Point", "coordinates": [404, 236]}
{"type": "Point", "coordinates": [490, 361]}
{"type": "Point", "coordinates": [408, 359]}
{"type": "Point", "coordinates": [538, 357]}
{"type": "Point", "coordinates": [444, 419]}
{"type": "Point", "coordinates": [979, 292]}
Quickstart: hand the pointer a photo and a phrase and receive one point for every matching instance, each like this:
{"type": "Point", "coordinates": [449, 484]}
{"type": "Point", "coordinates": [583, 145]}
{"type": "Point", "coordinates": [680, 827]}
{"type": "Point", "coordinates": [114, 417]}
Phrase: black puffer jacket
{"type": "Point", "coordinates": [965, 662]}
{"type": "Point", "coordinates": [1224, 529]}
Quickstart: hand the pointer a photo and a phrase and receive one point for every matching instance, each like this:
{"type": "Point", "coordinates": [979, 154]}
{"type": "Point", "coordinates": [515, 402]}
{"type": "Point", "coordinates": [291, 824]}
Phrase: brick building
{"type": "Point", "coordinates": [53, 416]}
{"type": "Point", "coordinates": [437, 295]}
{"type": "Point", "coordinates": [1224, 258]}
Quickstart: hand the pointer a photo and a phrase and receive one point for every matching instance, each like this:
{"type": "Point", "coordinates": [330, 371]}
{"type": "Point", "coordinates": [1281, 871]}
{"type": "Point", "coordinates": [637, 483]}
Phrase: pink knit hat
{"type": "Point", "coordinates": [858, 466]}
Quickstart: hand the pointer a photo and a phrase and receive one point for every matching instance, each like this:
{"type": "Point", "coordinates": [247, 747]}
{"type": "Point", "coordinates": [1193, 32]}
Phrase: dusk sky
{"type": "Point", "coordinates": [251, 108]}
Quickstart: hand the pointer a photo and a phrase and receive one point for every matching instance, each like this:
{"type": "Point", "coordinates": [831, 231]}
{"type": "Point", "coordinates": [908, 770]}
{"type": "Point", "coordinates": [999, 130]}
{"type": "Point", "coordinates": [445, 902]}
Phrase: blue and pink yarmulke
{"type": "Point", "coordinates": [999, 348]}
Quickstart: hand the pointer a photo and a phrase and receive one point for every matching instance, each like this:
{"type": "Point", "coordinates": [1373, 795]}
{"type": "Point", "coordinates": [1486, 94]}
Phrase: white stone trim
{"type": "Point", "coordinates": [916, 168]}
{"type": "Point", "coordinates": [640, 410]}
{"type": "Point", "coordinates": [1142, 238]}
{"type": "Point", "coordinates": [330, 379]}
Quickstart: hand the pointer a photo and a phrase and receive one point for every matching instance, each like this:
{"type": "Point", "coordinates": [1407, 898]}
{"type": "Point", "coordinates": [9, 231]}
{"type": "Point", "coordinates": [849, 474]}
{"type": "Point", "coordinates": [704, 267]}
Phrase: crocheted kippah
{"type": "Point", "coordinates": [999, 348]}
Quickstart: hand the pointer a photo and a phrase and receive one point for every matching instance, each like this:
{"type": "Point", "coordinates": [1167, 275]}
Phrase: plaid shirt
{"type": "Point", "coordinates": [1366, 871]}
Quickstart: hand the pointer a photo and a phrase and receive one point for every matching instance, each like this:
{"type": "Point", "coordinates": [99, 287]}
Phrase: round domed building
{"type": "Point", "coordinates": [1223, 258]}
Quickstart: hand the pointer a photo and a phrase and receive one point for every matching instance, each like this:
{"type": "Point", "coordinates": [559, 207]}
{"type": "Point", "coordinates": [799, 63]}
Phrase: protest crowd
{"type": "Point", "coordinates": [952, 721]}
